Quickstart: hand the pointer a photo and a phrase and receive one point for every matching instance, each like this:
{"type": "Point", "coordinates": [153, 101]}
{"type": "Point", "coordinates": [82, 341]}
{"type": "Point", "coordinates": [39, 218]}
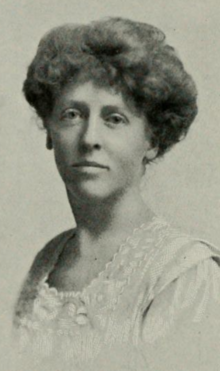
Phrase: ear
{"type": "Point", "coordinates": [150, 151]}
{"type": "Point", "coordinates": [49, 143]}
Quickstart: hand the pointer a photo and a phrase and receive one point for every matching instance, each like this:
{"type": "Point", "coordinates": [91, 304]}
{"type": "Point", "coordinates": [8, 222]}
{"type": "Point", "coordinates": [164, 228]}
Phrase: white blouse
{"type": "Point", "coordinates": [155, 307]}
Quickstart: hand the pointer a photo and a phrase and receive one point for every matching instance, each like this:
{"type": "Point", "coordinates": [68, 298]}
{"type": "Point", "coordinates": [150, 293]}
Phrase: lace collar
{"type": "Point", "coordinates": [127, 253]}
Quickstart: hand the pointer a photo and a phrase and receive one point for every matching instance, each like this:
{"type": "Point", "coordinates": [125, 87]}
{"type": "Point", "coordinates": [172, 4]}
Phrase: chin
{"type": "Point", "coordinates": [93, 194]}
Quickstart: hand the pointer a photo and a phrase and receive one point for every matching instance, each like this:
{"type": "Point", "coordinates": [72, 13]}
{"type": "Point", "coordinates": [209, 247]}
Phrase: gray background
{"type": "Point", "coordinates": [183, 187]}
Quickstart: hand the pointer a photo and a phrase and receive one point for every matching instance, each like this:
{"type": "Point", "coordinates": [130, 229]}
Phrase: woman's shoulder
{"type": "Point", "coordinates": [185, 316]}
{"type": "Point", "coordinates": [42, 263]}
{"type": "Point", "coordinates": [48, 255]}
{"type": "Point", "coordinates": [52, 248]}
{"type": "Point", "coordinates": [181, 256]}
{"type": "Point", "coordinates": [175, 253]}
{"type": "Point", "coordinates": [183, 312]}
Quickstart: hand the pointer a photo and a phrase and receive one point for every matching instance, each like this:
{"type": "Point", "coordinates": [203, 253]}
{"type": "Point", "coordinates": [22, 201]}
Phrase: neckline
{"type": "Point", "coordinates": [81, 293]}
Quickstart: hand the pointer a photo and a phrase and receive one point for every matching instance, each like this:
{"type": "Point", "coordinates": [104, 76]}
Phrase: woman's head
{"type": "Point", "coordinates": [130, 57]}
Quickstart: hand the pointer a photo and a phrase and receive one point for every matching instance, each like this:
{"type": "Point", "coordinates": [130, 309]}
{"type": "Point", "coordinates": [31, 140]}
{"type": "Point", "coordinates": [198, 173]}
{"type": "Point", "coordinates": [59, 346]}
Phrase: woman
{"type": "Point", "coordinates": [122, 290]}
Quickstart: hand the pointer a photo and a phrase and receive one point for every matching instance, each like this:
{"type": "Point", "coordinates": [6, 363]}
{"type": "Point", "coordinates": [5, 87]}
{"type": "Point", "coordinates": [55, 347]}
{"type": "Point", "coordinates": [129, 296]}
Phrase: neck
{"type": "Point", "coordinates": [107, 220]}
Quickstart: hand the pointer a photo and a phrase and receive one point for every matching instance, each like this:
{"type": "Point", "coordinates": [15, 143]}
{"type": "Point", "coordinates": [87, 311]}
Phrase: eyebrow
{"type": "Point", "coordinates": [111, 108]}
{"type": "Point", "coordinates": [105, 110]}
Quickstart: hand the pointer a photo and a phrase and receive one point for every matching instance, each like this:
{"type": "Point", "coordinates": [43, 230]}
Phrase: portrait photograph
{"type": "Point", "coordinates": [110, 184]}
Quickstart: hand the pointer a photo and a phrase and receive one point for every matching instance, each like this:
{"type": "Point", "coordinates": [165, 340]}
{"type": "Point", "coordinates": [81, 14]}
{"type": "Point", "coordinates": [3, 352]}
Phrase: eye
{"type": "Point", "coordinates": [116, 119]}
{"type": "Point", "coordinates": [71, 114]}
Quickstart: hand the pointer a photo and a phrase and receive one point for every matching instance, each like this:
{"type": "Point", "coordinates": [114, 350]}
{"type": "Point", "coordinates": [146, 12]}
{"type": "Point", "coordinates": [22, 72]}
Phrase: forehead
{"type": "Point", "coordinates": [89, 92]}
{"type": "Point", "coordinates": [92, 94]}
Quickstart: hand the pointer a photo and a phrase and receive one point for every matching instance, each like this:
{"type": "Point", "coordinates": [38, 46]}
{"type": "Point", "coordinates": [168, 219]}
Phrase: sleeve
{"type": "Point", "coordinates": [181, 328]}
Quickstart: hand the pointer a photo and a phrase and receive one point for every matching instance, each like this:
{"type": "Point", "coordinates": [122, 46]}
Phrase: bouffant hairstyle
{"type": "Point", "coordinates": [131, 57]}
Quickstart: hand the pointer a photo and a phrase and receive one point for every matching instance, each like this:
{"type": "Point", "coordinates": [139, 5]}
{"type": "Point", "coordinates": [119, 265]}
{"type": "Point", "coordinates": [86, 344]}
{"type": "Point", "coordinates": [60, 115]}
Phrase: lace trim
{"type": "Point", "coordinates": [123, 250]}
{"type": "Point", "coordinates": [73, 307]}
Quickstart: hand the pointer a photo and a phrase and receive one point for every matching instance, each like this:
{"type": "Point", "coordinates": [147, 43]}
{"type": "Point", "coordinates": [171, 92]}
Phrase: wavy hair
{"type": "Point", "coordinates": [132, 57]}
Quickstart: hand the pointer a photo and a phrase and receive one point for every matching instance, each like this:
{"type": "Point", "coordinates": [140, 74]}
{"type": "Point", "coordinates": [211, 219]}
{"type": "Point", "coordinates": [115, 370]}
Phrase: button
{"type": "Point", "coordinates": [81, 319]}
{"type": "Point", "coordinates": [81, 310]}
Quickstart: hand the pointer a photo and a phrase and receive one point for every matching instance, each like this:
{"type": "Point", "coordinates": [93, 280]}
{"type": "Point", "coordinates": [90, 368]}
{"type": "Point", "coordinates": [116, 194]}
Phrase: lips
{"type": "Point", "coordinates": [89, 164]}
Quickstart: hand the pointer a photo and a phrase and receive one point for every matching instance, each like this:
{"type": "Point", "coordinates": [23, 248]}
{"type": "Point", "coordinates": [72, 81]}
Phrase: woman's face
{"type": "Point", "coordinates": [99, 142]}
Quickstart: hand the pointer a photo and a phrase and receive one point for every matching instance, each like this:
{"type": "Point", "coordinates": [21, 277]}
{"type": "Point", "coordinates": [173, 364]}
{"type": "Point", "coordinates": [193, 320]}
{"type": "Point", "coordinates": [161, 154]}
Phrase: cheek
{"type": "Point", "coordinates": [133, 151]}
{"type": "Point", "coordinates": [63, 148]}
{"type": "Point", "coordinates": [129, 158]}
{"type": "Point", "coordinates": [63, 157]}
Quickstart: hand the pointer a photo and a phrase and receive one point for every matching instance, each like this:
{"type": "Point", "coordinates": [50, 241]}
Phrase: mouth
{"type": "Point", "coordinates": [90, 164]}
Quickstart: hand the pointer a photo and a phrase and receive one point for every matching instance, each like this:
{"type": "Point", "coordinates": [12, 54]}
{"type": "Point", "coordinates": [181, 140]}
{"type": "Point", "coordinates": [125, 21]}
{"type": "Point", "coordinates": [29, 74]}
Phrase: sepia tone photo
{"type": "Point", "coordinates": [110, 186]}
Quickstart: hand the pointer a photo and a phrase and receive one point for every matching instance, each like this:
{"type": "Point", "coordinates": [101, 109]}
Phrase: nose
{"type": "Point", "coordinates": [91, 135]}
